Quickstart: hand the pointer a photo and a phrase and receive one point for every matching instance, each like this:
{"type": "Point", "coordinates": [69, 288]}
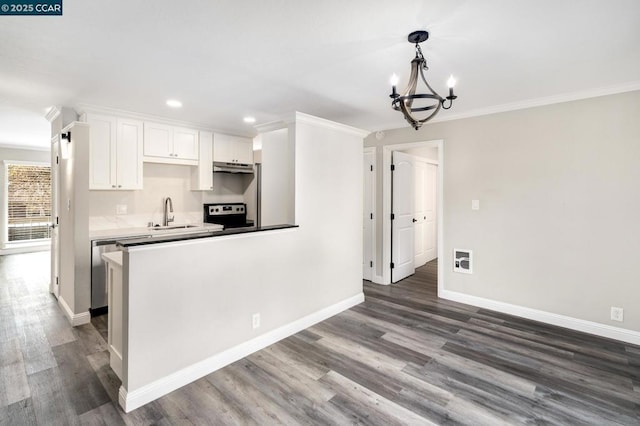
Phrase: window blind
{"type": "Point", "coordinates": [29, 202]}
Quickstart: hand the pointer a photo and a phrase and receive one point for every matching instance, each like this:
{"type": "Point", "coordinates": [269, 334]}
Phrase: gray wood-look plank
{"type": "Point", "coordinates": [401, 357]}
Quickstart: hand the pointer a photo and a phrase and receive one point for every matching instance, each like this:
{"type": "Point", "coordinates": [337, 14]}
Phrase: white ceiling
{"type": "Point", "coordinates": [329, 58]}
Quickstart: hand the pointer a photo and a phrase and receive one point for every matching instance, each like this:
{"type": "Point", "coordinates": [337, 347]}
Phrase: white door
{"type": "Point", "coordinates": [402, 210]}
{"type": "Point", "coordinates": [367, 217]}
{"type": "Point", "coordinates": [426, 248]}
{"type": "Point", "coordinates": [420, 172]}
{"type": "Point", "coordinates": [55, 239]}
{"type": "Point", "coordinates": [430, 210]}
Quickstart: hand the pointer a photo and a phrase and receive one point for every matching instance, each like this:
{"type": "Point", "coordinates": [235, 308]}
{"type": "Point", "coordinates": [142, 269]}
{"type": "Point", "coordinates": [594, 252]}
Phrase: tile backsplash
{"type": "Point", "coordinates": [146, 205]}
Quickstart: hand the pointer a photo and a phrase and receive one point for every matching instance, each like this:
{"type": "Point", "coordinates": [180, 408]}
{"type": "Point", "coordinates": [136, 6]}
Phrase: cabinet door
{"type": "Point", "coordinates": [223, 148]}
{"type": "Point", "coordinates": [244, 151]}
{"type": "Point", "coordinates": [185, 143]}
{"type": "Point", "coordinates": [158, 140]}
{"type": "Point", "coordinates": [129, 154]}
{"type": "Point", "coordinates": [102, 151]}
{"type": "Point", "coordinates": [202, 176]}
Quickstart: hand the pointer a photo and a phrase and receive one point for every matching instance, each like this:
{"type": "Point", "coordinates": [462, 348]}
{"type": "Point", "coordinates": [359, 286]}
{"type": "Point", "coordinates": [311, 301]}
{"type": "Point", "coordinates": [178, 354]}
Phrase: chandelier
{"type": "Point", "coordinates": [405, 102]}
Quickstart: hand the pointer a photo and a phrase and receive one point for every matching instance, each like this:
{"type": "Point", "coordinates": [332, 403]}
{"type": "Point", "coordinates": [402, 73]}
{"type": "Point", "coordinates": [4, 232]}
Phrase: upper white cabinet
{"type": "Point", "coordinates": [232, 149]}
{"type": "Point", "coordinates": [202, 176]}
{"type": "Point", "coordinates": [115, 152]}
{"type": "Point", "coordinates": [169, 144]}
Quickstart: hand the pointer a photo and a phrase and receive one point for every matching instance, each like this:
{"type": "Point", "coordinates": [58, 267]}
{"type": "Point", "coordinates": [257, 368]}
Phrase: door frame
{"type": "Point", "coordinates": [386, 204]}
{"type": "Point", "coordinates": [54, 284]}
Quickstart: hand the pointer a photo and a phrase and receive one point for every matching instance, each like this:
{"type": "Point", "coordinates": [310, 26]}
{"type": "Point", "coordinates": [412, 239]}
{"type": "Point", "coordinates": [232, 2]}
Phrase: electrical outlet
{"type": "Point", "coordinates": [121, 209]}
{"type": "Point", "coordinates": [475, 204]}
{"type": "Point", "coordinates": [617, 314]}
{"type": "Point", "coordinates": [256, 320]}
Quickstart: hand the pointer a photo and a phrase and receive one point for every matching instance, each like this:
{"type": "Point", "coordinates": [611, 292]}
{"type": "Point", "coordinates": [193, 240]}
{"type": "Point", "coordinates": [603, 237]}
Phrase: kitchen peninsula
{"type": "Point", "coordinates": [194, 303]}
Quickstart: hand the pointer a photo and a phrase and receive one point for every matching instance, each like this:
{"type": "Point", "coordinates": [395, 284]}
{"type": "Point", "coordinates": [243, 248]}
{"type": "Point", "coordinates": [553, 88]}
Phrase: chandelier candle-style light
{"type": "Point", "coordinates": [405, 101]}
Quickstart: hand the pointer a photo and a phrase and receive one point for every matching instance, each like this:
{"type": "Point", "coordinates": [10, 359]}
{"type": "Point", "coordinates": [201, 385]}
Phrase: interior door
{"type": "Point", "coordinates": [402, 210]}
{"type": "Point", "coordinates": [367, 217]}
{"type": "Point", "coordinates": [420, 214]}
{"type": "Point", "coordinates": [54, 287]}
{"type": "Point", "coordinates": [426, 247]}
{"type": "Point", "coordinates": [430, 210]}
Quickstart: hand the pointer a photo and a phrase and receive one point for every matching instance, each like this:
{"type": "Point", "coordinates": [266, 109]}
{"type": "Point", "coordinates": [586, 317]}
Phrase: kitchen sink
{"type": "Point", "coordinates": [164, 228]}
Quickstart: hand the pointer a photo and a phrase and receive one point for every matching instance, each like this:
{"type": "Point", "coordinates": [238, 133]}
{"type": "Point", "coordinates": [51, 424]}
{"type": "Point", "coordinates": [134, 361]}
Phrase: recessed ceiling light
{"type": "Point", "coordinates": [174, 103]}
{"type": "Point", "coordinates": [249, 120]}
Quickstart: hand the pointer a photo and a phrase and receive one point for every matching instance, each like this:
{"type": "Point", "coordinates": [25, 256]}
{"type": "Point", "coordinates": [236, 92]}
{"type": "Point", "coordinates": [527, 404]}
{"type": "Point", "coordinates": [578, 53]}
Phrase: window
{"type": "Point", "coordinates": [28, 202]}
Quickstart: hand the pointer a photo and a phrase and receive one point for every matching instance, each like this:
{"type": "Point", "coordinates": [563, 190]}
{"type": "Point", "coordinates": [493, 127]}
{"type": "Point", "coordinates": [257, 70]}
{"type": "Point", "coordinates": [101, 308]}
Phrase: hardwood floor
{"type": "Point", "coordinates": [401, 357]}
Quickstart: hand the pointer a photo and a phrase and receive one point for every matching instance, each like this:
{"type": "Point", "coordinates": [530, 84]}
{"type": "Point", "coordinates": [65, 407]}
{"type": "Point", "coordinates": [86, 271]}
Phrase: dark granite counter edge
{"type": "Point", "coordinates": [133, 242]}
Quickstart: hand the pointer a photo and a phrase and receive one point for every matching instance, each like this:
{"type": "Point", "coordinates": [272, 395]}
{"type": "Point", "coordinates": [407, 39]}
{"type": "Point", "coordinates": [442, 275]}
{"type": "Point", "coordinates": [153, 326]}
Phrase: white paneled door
{"type": "Point", "coordinates": [431, 220]}
{"type": "Point", "coordinates": [425, 211]}
{"type": "Point", "coordinates": [367, 216]}
{"type": "Point", "coordinates": [402, 210]}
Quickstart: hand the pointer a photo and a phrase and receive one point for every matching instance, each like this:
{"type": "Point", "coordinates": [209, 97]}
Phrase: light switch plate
{"type": "Point", "coordinates": [121, 209]}
{"type": "Point", "coordinates": [475, 204]}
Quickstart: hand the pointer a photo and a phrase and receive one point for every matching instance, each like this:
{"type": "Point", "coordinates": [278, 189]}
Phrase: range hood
{"type": "Point", "coordinates": [220, 167]}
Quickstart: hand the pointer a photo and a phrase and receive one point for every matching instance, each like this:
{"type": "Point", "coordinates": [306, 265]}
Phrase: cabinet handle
{"type": "Point", "coordinates": [113, 186]}
{"type": "Point", "coordinates": [119, 186]}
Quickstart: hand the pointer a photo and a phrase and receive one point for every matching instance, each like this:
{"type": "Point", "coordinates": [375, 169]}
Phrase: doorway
{"type": "Point", "coordinates": [435, 221]}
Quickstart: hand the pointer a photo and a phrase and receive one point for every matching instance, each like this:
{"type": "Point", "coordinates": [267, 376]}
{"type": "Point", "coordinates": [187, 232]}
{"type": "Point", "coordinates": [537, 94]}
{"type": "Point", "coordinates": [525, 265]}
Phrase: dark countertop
{"type": "Point", "coordinates": [133, 242]}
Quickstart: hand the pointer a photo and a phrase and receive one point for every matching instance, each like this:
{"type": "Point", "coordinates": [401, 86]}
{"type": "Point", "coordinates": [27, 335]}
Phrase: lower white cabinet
{"type": "Point", "coordinates": [170, 144]}
{"type": "Point", "coordinates": [115, 152]}
{"type": "Point", "coordinates": [113, 262]}
{"type": "Point", "coordinates": [202, 176]}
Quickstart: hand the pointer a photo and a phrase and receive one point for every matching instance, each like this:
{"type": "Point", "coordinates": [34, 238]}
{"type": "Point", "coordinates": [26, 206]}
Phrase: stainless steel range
{"type": "Point", "coordinates": [229, 215]}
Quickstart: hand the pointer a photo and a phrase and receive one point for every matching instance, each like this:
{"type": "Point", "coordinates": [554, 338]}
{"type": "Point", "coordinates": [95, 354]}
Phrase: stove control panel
{"type": "Point", "coordinates": [225, 209]}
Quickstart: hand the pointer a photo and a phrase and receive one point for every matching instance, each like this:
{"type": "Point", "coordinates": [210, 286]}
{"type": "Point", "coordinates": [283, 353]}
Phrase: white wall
{"type": "Point", "coordinates": [75, 246]}
{"type": "Point", "coordinates": [558, 191]}
{"type": "Point", "coordinates": [278, 171]}
{"type": "Point", "coordinates": [199, 296]}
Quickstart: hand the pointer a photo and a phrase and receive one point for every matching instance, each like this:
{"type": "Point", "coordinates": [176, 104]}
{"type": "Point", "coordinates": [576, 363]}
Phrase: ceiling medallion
{"type": "Point", "coordinates": [405, 102]}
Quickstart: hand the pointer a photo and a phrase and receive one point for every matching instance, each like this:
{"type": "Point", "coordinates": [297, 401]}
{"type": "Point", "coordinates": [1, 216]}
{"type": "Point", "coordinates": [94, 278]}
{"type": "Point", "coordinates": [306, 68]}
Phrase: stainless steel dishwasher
{"type": "Point", "coordinates": [99, 295]}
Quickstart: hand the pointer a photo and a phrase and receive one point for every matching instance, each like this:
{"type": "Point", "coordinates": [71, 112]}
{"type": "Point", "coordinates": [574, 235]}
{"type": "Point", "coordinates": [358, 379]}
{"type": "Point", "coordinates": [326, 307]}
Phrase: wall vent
{"type": "Point", "coordinates": [463, 261]}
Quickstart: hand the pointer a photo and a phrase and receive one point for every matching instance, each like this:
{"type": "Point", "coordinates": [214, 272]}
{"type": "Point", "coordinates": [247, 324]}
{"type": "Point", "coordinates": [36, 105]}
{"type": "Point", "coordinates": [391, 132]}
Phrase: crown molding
{"type": "Point", "coordinates": [272, 126]}
{"type": "Point", "coordinates": [549, 100]}
{"type": "Point", "coordinates": [300, 117]}
{"type": "Point", "coordinates": [96, 109]}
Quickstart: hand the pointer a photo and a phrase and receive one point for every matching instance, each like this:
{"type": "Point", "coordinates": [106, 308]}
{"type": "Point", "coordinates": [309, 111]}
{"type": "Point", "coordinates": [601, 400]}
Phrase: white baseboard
{"type": "Point", "coordinates": [130, 400]}
{"type": "Point", "coordinates": [603, 330]}
{"type": "Point", "coordinates": [25, 248]}
{"type": "Point", "coordinates": [74, 319]}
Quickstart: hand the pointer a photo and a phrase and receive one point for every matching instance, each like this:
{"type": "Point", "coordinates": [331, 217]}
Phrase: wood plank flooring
{"type": "Point", "coordinates": [401, 357]}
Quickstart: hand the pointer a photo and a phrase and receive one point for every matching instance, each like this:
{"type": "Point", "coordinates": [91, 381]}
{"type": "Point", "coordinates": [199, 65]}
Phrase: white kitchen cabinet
{"type": "Point", "coordinates": [113, 262]}
{"type": "Point", "coordinates": [232, 149]}
{"type": "Point", "coordinates": [202, 176]}
{"type": "Point", "coordinates": [115, 153]}
{"type": "Point", "coordinates": [169, 144]}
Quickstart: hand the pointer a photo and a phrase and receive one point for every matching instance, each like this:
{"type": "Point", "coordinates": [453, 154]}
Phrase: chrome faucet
{"type": "Point", "coordinates": [166, 219]}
